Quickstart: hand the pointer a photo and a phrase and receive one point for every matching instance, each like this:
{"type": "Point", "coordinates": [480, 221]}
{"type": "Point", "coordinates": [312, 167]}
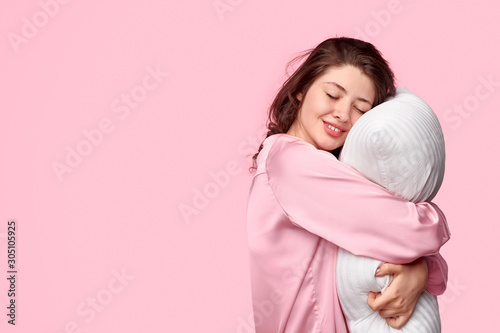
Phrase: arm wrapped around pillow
{"type": "Point", "coordinates": [399, 145]}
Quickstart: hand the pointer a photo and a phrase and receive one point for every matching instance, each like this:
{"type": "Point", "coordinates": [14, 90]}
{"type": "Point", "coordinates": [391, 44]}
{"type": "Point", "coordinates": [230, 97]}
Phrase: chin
{"type": "Point", "coordinates": [329, 147]}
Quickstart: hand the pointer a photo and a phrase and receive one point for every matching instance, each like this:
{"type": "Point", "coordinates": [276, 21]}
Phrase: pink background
{"type": "Point", "coordinates": [65, 67]}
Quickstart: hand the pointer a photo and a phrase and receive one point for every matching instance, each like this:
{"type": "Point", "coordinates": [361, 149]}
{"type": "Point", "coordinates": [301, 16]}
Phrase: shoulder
{"type": "Point", "coordinates": [285, 144]}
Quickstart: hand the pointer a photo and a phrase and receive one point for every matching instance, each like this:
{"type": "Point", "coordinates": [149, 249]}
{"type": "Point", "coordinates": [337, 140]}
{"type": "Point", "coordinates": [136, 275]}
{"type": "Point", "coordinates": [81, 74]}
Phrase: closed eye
{"type": "Point", "coordinates": [332, 97]}
{"type": "Point", "coordinates": [361, 111]}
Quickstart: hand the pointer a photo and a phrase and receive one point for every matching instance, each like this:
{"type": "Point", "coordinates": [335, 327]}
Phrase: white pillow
{"type": "Point", "coordinates": [399, 144]}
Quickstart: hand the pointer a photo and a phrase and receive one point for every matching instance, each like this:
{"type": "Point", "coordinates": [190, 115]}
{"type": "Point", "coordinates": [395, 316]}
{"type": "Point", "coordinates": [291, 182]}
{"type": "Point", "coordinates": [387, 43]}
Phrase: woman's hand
{"type": "Point", "coordinates": [398, 301]}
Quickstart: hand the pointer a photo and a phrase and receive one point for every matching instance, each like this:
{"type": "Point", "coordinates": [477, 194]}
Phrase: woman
{"type": "Point", "coordinates": [304, 204]}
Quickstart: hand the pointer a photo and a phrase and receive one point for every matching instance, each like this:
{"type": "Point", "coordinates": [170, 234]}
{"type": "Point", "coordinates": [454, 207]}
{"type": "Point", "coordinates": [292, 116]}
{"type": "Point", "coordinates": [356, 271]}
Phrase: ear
{"type": "Point", "coordinates": [299, 96]}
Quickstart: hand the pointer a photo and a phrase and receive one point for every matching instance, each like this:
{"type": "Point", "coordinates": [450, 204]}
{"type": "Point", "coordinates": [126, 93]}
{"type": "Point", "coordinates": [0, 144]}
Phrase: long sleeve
{"type": "Point", "coordinates": [438, 274]}
{"type": "Point", "coordinates": [333, 201]}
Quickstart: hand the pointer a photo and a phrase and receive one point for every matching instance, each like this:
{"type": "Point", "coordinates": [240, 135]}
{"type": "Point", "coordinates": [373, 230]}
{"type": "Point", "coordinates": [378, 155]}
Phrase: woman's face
{"type": "Point", "coordinates": [332, 105]}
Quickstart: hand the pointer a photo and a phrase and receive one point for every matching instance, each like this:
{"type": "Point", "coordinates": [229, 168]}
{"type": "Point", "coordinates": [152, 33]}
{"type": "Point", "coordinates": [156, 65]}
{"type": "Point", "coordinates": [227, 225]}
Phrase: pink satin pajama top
{"type": "Point", "coordinates": [303, 205]}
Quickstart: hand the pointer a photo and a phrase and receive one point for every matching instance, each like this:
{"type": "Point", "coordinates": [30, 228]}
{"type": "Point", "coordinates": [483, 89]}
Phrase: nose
{"type": "Point", "coordinates": [341, 111]}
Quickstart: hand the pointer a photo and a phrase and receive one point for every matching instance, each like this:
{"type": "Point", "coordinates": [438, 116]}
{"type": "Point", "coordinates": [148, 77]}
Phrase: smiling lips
{"type": "Point", "coordinates": [333, 130]}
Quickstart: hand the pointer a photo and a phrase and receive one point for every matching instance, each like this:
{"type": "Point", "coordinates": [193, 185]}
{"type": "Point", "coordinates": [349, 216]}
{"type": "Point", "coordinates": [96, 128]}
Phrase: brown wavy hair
{"type": "Point", "coordinates": [335, 52]}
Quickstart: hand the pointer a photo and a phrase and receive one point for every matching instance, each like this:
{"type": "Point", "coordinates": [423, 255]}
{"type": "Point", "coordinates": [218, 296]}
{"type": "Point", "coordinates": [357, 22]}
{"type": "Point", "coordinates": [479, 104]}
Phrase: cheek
{"type": "Point", "coordinates": [308, 112]}
{"type": "Point", "coordinates": [314, 104]}
{"type": "Point", "coordinates": [354, 117]}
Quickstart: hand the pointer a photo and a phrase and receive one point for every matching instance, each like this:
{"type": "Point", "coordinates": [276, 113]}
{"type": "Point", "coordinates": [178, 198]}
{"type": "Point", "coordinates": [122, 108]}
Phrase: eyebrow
{"type": "Point", "coordinates": [344, 91]}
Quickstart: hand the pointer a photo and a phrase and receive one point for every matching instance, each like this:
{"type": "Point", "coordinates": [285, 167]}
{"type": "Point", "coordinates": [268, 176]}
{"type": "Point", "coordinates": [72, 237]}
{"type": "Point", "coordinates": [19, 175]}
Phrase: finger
{"type": "Point", "coordinates": [388, 269]}
{"type": "Point", "coordinates": [388, 313]}
{"type": "Point", "coordinates": [378, 301]}
{"type": "Point", "coordinates": [397, 322]}
{"type": "Point", "coordinates": [371, 301]}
